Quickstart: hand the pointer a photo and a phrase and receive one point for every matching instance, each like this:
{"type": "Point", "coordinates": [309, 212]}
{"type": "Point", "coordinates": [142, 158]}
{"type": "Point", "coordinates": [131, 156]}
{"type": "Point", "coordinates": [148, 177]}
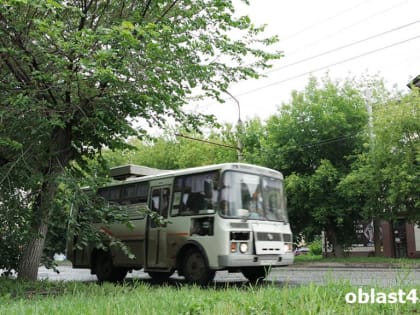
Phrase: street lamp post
{"type": "Point", "coordinates": [239, 126]}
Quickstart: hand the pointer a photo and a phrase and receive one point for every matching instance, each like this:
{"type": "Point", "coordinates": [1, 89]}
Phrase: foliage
{"type": "Point", "coordinates": [397, 154]}
{"type": "Point", "coordinates": [75, 74]}
{"type": "Point", "coordinates": [315, 247]}
{"type": "Point", "coordinates": [385, 180]}
{"type": "Point", "coordinates": [313, 140]}
{"type": "Point", "coordinates": [359, 262]}
{"type": "Point", "coordinates": [253, 138]}
{"type": "Point", "coordinates": [185, 150]}
{"type": "Point", "coordinates": [12, 223]}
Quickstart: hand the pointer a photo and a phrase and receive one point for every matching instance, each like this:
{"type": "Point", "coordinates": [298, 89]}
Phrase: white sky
{"type": "Point", "coordinates": [307, 28]}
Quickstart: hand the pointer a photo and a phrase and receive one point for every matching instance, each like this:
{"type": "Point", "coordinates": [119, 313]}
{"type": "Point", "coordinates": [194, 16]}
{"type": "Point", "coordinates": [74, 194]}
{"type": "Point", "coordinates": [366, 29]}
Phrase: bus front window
{"type": "Point", "coordinates": [261, 196]}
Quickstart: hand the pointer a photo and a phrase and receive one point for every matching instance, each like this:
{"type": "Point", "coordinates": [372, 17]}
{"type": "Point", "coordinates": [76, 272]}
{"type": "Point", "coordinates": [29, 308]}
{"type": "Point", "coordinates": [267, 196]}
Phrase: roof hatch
{"type": "Point", "coordinates": [130, 170]}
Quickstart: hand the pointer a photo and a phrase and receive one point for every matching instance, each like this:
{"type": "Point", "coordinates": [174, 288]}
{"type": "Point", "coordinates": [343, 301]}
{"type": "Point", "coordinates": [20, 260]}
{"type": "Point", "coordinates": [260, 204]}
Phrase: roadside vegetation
{"type": "Point", "coordinates": [392, 262]}
{"type": "Point", "coordinates": [137, 297]}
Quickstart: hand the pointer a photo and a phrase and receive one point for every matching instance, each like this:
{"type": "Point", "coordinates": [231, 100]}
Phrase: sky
{"type": "Point", "coordinates": [348, 38]}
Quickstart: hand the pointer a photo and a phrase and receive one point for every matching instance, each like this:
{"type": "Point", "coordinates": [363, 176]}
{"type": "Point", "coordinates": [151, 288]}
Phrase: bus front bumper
{"type": "Point", "coordinates": [255, 260]}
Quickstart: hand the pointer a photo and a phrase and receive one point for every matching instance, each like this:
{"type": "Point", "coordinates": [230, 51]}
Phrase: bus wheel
{"type": "Point", "coordinates": [195, 268]}
{"type": "Point", "coordinates": [255, 274]}
{"type": "Point", "coordinates": [160, 276]}
{"type": "Point", "coordinates": [106, 271]}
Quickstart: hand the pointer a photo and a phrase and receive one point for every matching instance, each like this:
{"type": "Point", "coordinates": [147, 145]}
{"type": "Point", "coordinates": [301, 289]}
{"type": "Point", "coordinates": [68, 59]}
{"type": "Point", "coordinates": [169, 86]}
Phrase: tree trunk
{"type": "Point", "coordinates": [377, 237]}
{"type": "Point", "coordinates": [60, 155]}
{"type": "Point", "coordinates": [32, 254]}
{"type": "Point", "coordinates": [338, 250]}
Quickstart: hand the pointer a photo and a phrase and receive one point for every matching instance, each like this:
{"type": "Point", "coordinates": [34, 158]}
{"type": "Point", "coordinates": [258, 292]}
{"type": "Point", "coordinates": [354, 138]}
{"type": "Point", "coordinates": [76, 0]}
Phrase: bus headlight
{"type": "Point", "coordinates": [243, 247]}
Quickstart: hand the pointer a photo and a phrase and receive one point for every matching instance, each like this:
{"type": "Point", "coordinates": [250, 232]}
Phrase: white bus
{"type": "Point", "coordinates": [219, 217]}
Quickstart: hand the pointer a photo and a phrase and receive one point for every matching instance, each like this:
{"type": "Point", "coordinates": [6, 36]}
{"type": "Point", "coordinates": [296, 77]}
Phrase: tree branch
{"type": "Point", "coordinates": [143, 15]}
{"type": "Point", "coordinates": [167, 10]}
{"type": "Point", "coordinates": [85, 10]}
{"type": "Point", "coordinates": [122, 9]}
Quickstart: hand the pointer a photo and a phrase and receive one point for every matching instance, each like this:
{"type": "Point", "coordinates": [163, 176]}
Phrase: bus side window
{"type": "Point", "coordinates": [164, 202]}
{"type": "Point", "coordinates": [115, 194]}
{"type": "Point", "coordinates": [196, 202]}
{"type": "Point", "coordinates": [193, 193]}
{"type": "Point", "coordinates": [177, 204]}
{"type": "Point", "coordinates": [155, 200]}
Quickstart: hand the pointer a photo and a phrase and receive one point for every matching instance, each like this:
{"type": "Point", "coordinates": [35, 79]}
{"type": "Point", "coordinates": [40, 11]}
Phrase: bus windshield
{"type": "Point", "coordinates": [261, 196]}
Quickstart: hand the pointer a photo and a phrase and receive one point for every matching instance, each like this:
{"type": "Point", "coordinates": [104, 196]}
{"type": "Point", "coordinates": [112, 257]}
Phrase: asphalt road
{"type": "Point", "coordinates": [291, 276]}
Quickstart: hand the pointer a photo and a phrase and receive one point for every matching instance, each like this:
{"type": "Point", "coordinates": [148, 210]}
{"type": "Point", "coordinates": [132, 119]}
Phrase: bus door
{"type": "Point", "coordinates": [156, 236]}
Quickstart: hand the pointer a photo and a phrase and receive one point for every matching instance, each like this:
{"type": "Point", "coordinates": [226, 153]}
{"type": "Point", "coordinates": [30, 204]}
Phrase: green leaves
{"type": "Point", "coordinates": [397, 150]}
{"type": "Point", "coordinates": [313, 140]}
{"type": "Point", "coordinates": [319, 123]}
{"type": "Point", "coordinates": [73, 75]}
{"type": "Point", "coordinates": [189, 149]}
{"type": "Point", "coordinates": [385, 180]}
{"type": "Point", "coordinates": [9, 143]}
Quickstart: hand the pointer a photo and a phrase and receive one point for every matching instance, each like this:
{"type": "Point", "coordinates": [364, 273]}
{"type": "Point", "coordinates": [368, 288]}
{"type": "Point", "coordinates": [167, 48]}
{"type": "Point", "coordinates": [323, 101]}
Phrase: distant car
{"type": "Point", "coordinates": [301, 251]}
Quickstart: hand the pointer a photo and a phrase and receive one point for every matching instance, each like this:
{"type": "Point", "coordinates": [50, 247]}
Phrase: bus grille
{"type": "Point", "coordinates": [266, 236]}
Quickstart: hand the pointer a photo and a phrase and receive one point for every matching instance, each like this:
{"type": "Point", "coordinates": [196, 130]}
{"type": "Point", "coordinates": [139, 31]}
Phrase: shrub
{"type": "Point", "coordinates": [315, 248]}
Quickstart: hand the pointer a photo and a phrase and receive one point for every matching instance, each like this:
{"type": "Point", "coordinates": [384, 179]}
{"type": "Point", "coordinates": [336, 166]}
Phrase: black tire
{"type": "Point", "coordinates": [106, 271]}
{"type": "Point", "coordinates": [255, 274]}
{"type": "Point", "coordinates": [160, 276]}
{"type": "Point", "coordinates": [195, 268]}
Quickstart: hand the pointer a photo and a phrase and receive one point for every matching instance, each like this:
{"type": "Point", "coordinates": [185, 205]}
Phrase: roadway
{"type": "Point", "coordinates": [292, 276]}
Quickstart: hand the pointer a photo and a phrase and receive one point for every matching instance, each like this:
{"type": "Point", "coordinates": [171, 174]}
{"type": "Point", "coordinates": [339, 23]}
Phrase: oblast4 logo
{"type": "Point", "coordinates": [371, 297]}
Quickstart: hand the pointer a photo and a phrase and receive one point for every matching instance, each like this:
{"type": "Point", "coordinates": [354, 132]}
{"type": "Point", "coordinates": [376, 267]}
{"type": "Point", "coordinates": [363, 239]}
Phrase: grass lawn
{"type": "Point", "coordinates": [138, 297]}
{"type": "Point", "coordinates": [302, 259]}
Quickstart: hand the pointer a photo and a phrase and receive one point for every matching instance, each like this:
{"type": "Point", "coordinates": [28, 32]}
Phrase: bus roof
{"type": "Point", "coordinates": [159, 174]}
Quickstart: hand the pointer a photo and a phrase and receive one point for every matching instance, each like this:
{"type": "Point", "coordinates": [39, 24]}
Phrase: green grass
{"type": "Point", "coordinates": [301, 259]}
{"type": "Point", "coordinates": [307, 258]}
{"type": "Point", "coordinates": [142, 298]}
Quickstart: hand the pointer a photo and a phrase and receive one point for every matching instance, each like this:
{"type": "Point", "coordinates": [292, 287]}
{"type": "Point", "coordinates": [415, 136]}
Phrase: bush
{"type": "Point", "coordinates": [315, 248]}
{"type": "Point", "coordinates": [12, 223]}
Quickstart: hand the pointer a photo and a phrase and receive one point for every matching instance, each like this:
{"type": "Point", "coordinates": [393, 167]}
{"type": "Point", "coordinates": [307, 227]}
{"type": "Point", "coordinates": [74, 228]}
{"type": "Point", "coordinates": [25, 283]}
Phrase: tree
{"type": "Point", "coordinates": [313, 141]}
{"type": "Point", "coordinates": [253, 138]}
{"type": "Point", "coordinates": [175, 152]}
{"type": "Point", "coordinates": [397, 154]}
{"type": "Point", "coordinates": [75, 73]}
{"type": "Point", "coordinates": [385, 181]}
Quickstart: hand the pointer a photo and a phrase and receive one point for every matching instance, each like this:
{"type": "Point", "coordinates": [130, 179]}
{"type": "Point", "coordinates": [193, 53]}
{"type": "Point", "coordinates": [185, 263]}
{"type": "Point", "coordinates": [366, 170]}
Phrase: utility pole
{"type": "Point", "coordinates": [370, 118]}
{"type": "Point", "coordinates": [238, 127]}
{"type": "Point", "coordinates": [375, 221]}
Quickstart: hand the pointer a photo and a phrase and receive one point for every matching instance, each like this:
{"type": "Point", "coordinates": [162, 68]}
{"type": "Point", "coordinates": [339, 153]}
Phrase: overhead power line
{"type": "Point", "coordinates": [326, 20]}
{"type": "Point", "coordinates": [302, 146]}
{"type": "Point", "coordinates": [207, 141]}
{"type": "Point", "coordinates": [323, 67]}
{"type": "Point", "coordinates": [347, 28]}
{"type": "Point", "coordinates": [328, 66]}
{"type": "Point", "coordinates": [343, 47]}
